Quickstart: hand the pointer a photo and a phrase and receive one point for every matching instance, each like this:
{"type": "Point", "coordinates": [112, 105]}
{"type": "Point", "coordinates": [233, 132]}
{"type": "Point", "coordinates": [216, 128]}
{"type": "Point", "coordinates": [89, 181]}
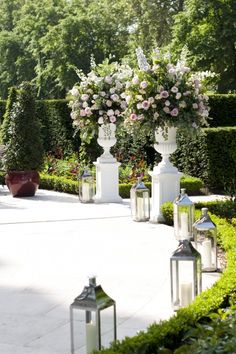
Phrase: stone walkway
{"type": "Point", "coordinates": [51, 243]}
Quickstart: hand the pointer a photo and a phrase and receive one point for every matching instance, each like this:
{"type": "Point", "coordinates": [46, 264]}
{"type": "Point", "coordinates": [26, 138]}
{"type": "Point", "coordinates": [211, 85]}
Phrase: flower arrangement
{"type": "Point", "coordinates": [99, 98]}
{"type": "Point", "coordinates": [164, 95]}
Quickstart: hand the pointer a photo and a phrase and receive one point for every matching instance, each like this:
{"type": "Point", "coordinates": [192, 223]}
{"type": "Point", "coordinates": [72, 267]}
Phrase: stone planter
{"type": "Point", "coordinates": [22, 183]}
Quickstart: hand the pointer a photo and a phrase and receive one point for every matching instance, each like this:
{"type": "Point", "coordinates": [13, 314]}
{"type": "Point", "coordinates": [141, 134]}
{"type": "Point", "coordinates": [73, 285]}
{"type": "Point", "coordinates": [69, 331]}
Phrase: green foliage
{"type": "Point", "coordinates": [223, 110]}
{"type": "Point", "coordinates": [205, 155]}
{"type": "Point", "coordinates": [60, 184]}
{"type": "Point", "coordinates": [207, 28]}
{"type": "Point", "coordinates": [57, 130]}
{"type": "Point", "coordinates": [2, 110]}
{"type": "Point", "coordinates": [24, 149]}
{"type": "Point", "coordinates": [5, 128]}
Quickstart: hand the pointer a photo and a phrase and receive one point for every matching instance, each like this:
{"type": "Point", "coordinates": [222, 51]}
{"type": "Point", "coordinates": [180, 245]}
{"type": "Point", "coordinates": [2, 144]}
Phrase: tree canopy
{"type": "Point", "coordinates": [43, 41]}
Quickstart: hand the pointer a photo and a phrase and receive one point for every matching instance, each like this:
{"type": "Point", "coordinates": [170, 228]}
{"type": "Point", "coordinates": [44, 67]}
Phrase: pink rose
{"type": "Point", "coordinates": [145, 105]}
{"type": "Point", "coordinates": [133, 116]}
{"type": "Point", "coordinates": [112, 119]}
{"type": "Point", "coordinates": [174, 112]}
{"type": "Point", "coordinates": [164, 94]}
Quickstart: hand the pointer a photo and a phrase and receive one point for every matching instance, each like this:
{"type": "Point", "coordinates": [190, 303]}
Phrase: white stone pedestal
{"type": "Point", "coordinates": [165, 187]}
{"type": "Point", "coordinates": [165, 177]}
{"type": "Point", "coordinates": [107, 182]}
{"type": "Point", "coordinates": [107, 168]}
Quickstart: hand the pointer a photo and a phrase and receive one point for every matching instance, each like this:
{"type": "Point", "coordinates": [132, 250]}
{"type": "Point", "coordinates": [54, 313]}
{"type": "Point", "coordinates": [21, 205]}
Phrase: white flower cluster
{"type": "Point", "coordinates": [100, 99]}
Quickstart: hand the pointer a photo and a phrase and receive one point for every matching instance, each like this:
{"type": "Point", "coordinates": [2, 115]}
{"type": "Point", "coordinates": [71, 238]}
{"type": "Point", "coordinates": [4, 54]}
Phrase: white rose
{"type": "Point", "coordinates": [108, 103]}
{"type": "Point", "coordinates": [110, 112]}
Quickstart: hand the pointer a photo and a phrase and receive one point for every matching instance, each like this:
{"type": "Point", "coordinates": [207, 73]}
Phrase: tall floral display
{"type": "Point", "coordinates": [161, 98]}
{"type": "Point", "coordinates": [98, 103]}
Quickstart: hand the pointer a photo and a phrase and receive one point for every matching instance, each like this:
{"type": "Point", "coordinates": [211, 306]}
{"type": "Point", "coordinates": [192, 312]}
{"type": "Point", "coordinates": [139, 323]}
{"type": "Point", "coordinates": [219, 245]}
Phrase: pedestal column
{"type": "Point", "coordinates": [165, 177]}
{"type": "Point", "coordinates": [107, 168]}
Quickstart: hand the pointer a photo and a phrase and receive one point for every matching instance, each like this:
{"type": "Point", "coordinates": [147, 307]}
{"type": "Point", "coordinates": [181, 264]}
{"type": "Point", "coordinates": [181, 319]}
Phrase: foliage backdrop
{"type": "Point", "coordinates": [44, 40]}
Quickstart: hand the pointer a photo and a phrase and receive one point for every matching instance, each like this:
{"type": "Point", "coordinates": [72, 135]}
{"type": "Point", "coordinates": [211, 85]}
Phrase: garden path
{"type": "Point", "coordinates": [51, 243]}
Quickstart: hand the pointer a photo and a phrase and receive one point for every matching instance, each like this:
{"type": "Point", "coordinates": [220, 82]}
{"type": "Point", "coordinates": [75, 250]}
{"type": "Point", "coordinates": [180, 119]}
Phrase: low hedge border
{"type": "Point", "coordinates": [193, 185]}
{"type": "Point", "coordinates": [168, 335]}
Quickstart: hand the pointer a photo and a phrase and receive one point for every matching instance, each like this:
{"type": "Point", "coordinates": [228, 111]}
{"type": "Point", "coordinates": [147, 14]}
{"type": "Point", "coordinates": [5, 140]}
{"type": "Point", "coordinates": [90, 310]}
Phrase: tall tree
{"type": "Point", "coordinates": [208, 29]}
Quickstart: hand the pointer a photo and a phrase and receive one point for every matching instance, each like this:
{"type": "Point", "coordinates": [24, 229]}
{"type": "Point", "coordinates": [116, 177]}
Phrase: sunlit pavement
{"type": "Point", "coordinates": [51, 243]}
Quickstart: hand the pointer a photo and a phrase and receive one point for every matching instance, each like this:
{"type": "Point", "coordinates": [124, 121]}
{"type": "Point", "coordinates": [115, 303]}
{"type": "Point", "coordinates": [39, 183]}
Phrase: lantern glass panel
{"type": "Point", "coordinates": [183, 216]}
{"type": "Point", "coordinates": [185, 270]}
{"type": "Point", "coordinates": [86, 187]}
{"type": "Point", "coordinates": [205, 237]}
{"type": "Point", "coordinates": [93, 320]}
{"type": "Point", "coordinates": [140, 202]}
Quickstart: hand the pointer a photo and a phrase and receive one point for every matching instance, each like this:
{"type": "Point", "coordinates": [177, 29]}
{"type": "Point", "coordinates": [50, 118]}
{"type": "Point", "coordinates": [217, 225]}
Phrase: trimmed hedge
{"type": "Point", "coordinates": [210, 156]}
{"type": "Point", "coordinates": [223, 110]}
{"type": "Point", "coordinates": [168, 335]}
{"type": "Point", "coordinates": [61, 184]}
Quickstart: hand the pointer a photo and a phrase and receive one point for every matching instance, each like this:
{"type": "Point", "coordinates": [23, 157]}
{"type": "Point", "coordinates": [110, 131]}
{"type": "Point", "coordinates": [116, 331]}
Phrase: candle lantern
{"type": "Point", "coordinates": [140, 201]}
{"type": "Point", "coordinates": [183, 216]}
{"type": "Point", "coordinates": [185, 274]}
{"type": "Point", "coordinates": [205, 234]}
{"type": "Point", "coordinates": [86, 187]}
{"type": "Point", "coordinates": [96, 315]}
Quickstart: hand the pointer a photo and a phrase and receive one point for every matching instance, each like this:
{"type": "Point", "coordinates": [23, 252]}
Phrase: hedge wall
{"type": "Point", "coordinates": [210, 156]}
{"type": "Point", "coordinates": [223, 110]}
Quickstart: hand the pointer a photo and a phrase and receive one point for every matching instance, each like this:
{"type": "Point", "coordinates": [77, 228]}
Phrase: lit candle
{"type": "Point", "coordinates": [91, 337]}
{"type": "Point", "coordinates": [206, 254]}
{"type": "Point", "coordinates": [184, 225]}
{"type": "Point", "coordinates": [140, 211]}
{"type": "Point", "coordinates": [85, 192]}
{"type": "Point", "coordinates": [185, 294]}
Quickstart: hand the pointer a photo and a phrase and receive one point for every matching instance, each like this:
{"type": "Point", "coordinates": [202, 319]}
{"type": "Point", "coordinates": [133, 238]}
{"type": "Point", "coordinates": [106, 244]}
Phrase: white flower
{"type": "Point", "coordinates": [117, 112]}
{"type": "Point", "coordinates": [115, 97]}
{"type": "Point", "coordinates": [195, 106]}
{"type": "Point", "coordinates": [82, 113]}
{"type": "Point", "coordinates": [156, 115]}
{"type": "Point", "coordinates": [84, 97]}
{"type": "Point", "coordinates": [85, 104]}
{"type": "Point", "coordinates": [166, 109]}
{"type": "Point", "coordinates": [128, 98]}
{"type": "Point", "coordinates": [74, 91]}
{"type": "Point", "coordinates": [112, 90]}
{"type": "Point", "coordinates": [182, 104]}
{"type": "Point", "coordinates": [100, 120]}
{"type": "Point", "coordinates": [108, 79]}
{"type": "Point", "coordinates": [123, 104]}
{"type": "Point", "coordinates": [167, 103]}
{"type": "Point", "coordinates": [135, 80]}
{"type": "Point", "coordinates": [174, 89]}
{"type": "Point", "coordinates": [110, 112]}
{"type": "Point", "coordinates": [88, 111]}
{"type": "Point", "coordinates": [178, 95]}
{"type": "Point", "coordinates": [112, 119]}
{"type": "Point", "coordinates": [102, 93]}
{"type": "Point", "coordinates": [139, 105]}
{"type": "Point", "coordinates": [151, 99]}
{"type": "Point", "coordinates": [95, 96]}
{"type": "Point", "coordinates": [143, 84]}
{"type": "Point", "coordinates": [108, 103]}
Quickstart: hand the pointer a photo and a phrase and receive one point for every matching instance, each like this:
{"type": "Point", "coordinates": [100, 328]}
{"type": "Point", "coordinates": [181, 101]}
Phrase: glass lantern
{"type": "Point", "coordinates": [185, 274]}
{"type": "Point", "coordinates": [140, 201]}
{"type": "Point", "coordinates": [95, 322]}
{"type": "Point", "coordinates": [205, 237]}
{"type": "Point", "coordinates": [183, 216]}
{"type": "Point", "coordinates": [86, 187]}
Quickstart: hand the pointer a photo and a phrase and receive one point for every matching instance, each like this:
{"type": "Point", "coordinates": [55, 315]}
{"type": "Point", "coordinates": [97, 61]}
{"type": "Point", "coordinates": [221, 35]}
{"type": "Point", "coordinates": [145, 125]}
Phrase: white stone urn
{"type": "Point", "coordinates": [165, 145]}
{"type": "Point", "coordinates": [107, 167]}
{"type": "Point", "coordinates": [106, 139]}
{"type": "Point", "coordinates": [165, 176]}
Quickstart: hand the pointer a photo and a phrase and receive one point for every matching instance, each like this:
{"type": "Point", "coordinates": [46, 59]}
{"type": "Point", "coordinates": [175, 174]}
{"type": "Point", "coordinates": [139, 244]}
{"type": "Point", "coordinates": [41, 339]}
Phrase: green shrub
{"type": "Point", "coordinates": [21, 131]}
{"type": "Point", "coordinates": [2, 109]}
{"type": "Point", "coordinates": [60, 184]}
{"type": "Point", "coordinates": [223, 110]}
{"type": "Point", "coordinates": [210, 156]}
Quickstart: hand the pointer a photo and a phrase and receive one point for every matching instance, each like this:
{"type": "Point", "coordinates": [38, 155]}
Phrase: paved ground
{"type": "Point", "coordinates": [51, 243]}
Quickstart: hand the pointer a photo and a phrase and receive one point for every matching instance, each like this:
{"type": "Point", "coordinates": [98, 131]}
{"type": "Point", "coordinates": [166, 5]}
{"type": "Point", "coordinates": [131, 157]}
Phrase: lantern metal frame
{"type": "Point", "coordinates": [93, 299]}
{"type": "Point", "coordinates": [140, 201]}
{"type": "Point", "coordinates": [205, 238]}
{"type": "Point", "coordinates": [185, 253]}
{"type": "Point", "coordinates": [86, 187]}
{"type": "Point", "coordinates": [183, 216]}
